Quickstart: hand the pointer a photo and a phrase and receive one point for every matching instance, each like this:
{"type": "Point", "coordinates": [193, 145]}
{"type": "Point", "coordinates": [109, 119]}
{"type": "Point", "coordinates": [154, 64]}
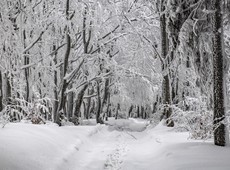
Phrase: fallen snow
{"type": "Point", "coordinates": [131, 144]}
{"type": "Point", "coordinates": [136, 125]}
{"type": "Point", "coordinates": [38, 147]}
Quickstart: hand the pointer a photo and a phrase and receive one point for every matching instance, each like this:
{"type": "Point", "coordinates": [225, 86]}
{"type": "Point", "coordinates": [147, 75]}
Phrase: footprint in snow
{"type": "Point", "coordinates": [115, 159]}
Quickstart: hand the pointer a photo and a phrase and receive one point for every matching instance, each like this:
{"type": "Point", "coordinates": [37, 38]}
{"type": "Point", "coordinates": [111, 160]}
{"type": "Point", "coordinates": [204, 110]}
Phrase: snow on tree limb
{"type": "Point", "coordinates": [36, 40]}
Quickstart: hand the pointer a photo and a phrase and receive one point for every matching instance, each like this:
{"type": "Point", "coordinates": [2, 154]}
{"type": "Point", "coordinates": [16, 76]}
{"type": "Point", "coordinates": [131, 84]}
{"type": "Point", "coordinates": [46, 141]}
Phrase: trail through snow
{"type": "Point", "coordinates": [101, 150]}
{"type": "Point", "coordinates": [119, 145]}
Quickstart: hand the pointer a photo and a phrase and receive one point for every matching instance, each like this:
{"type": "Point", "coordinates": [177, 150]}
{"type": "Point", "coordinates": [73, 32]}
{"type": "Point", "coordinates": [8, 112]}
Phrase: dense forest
{"type": "Point", "coordinates": [68, 60]}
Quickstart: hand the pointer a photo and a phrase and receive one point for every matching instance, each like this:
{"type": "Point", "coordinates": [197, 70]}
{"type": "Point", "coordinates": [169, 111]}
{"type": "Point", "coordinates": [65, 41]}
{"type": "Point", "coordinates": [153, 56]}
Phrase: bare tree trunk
{"type": "Point", "coordinates": [105, 98]}
{"type": "Point", "coordinates": [138, 111]}
{"type": "Point", "coordinates": [79, 101]}
{"type": "Point", "coordinates": [166, 96]}
{"type": "Point", "coordinates": [167, 101]}
{"type": "Point", "coordinates": [130, 111]}
{"type": "Point", "coordinates": [218, 90]}
{"type": "Point", "coordinates": [142, 112]}
{"type": "Point", "coordinates": [84, 106]}
{"type": "Point", "coordinates": [8, 88]}
{"type": "Point", "coordinates": [26, 62]}
{"type": "Point", "coordinates": [27, 78]}
{"type": "Point", "coordinates": [98, 111]}
{"type": "Point", "coordinates": [92, 108]}
{"type": "Point", "coordinates": [154, 107]}
{"type": "Point", "coordinates": [55, 105]}
{"type": "Point", "coordinates": [110, 113]}
{"type": "Point", "coordinates": [62, 98]}
{"type": "Point", "coordinates": [62, 95]}
{"type": "Point", "coordinates": [117, 110]}
{"type": "Point", "coordinates": [1, 92]}
{"type": "Point", "coordinates": [70, 105]}
{"type": "Point", "coordinates": [90, 92]}
{"type": "Point", "coordinates": [108, 110]}
{"type": "Point", "coordinates": [86, 40]}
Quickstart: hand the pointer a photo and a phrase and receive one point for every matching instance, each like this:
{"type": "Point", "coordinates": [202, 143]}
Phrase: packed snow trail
{"type": "Point", "coordinates": [104, 149]}
{"type": "Point", "coordinates": [119, 145]}
{"type": "Point", "coordinates": [128, 146]}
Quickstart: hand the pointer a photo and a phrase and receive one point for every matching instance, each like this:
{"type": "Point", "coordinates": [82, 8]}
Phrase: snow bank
{"type": "Point", "coordinates": [193, 155]}
{"type": "Point", "coordinates": [38, 147]}
{"type": "Point", "coordinates": [133, 125]}
{"type": "Point", "coordinates": [161, 148]}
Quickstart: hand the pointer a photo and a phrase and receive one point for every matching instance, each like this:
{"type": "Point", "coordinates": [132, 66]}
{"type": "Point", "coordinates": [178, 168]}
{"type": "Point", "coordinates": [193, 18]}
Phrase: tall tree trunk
{"type": "Point", "coordinates": [55, 105]}
{"type": "Point", "coordinates": [26, 62]}
{"type": "Point", "coordinates": [218, 90]}
{"type": "Point", "coordinates": [166, 92]}
{"type": "Point", "coordinates": [62, 97]}
{"type": "Point", "coordinates": [86, 42]}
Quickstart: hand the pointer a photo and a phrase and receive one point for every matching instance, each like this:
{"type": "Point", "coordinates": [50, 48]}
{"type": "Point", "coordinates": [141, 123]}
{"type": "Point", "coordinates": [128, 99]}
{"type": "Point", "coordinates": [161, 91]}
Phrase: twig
{"type": "Point", "coordinates": [131, 135]}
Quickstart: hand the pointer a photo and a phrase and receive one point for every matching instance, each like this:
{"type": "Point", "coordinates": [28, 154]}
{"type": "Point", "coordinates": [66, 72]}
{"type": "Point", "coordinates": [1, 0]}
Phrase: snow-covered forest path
{"type": "Point", "coordinates": [124, 144]}
{"type": "Point", "coordinates": [95, 152]}
{"type": "Point", "coordinates": [120, 146]}
{"type": "Point", "coordinates": [106, 148]}
{"type": "Point", "coordinates": [130, 146]}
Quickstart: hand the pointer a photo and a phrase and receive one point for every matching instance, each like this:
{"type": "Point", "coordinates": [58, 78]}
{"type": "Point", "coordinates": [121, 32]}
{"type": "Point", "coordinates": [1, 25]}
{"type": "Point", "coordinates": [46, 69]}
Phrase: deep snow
{"type": "Point", "coordinates": [120, 144]}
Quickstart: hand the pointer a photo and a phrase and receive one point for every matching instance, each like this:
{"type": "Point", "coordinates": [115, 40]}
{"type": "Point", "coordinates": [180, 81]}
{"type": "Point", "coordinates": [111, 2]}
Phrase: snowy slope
{"type": "Point", "coordinates": [163, 149]}
{"type": "Point", "coordinates": [38, 147]}
{"type": "Point", "coordinates": [121, 144]}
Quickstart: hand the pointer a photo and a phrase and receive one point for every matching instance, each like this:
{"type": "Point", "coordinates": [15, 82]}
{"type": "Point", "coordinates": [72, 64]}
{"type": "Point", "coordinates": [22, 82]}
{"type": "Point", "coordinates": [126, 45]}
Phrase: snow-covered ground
{"type": "Point", "coordinates": [118, 145]}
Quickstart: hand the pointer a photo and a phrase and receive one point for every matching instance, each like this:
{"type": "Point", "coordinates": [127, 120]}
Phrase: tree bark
{"type": "Point", "coordinates": [166, 92]}
{"type": "Point", "coordinates": [55, 104]}
{"type": "Point", "coordinates": [142, 112]}
{"type": "Point", "coordinates": [218, 90]}
{"type": "Point", "coordinates": [70, 104]}
{"type": "Point", "coordinates": [138, 111]}
{"type": "Point", "coordinates": [98, 111]}
{"type": "Point", "coordinates": [26, 62]}
{"type": "Point", "coordinates": [117, 110]}
{"type": "Point", "coordinates": [79, 101]}
{"type": "Point", "coordinates": [92, 108]}
{"type": "Point", "coordinates": [8, 88]}
{"type": "Point", "coordinates": [90, 92]}
{"type": "Point", "coordinates": [62, 98]}
{"type": "Point", "coordinates": [130, 111]}
{"type": "Point", "coordinates": [1, 92]}
{"type": "Point", "coordinates": [105, 98]}
{"type": "Point", "coordinates": [108, 110]}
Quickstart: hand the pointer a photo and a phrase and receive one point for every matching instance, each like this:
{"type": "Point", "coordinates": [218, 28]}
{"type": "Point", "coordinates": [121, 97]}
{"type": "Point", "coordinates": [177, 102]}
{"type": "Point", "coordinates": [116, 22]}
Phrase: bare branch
{"type": "Point", "coordinates": [35, 41]}
{"type": "Point", "coordinates": [75, 72]}
{"type": "Point", "coordinates": [106, 35]}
